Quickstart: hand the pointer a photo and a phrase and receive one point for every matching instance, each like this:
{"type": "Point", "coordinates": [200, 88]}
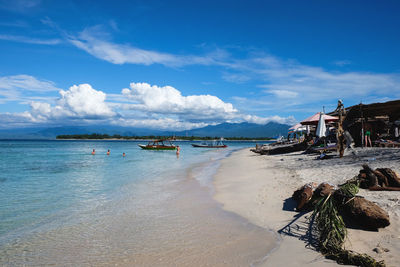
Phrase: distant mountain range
{"type": "Point", "coordinates": [244, 129]}
{"type": "Point", "coordinates": [271, 129]}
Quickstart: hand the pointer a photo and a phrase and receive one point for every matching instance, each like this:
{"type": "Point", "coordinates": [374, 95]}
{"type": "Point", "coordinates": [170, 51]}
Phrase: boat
{"type": "Point", "coordinates": [211, 144]}
{"type": "Point", "coordinates": [160, 144]}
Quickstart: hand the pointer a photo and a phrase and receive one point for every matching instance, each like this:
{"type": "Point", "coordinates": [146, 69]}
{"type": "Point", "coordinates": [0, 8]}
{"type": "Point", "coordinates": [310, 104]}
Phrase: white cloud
{"type": "Point", "coordinates": [159, 123]}
{"type": "Point", "coordinates": [94, 41]}
{"type": "Point", "coordinates": [291, 86]}
{"type": "Point", "coordinates": [264, 120]}
{"type": "Point", "coordinates": [168, 100]}
{"type": "Point", "coordinates": [235, 78]}
{"type": "Point", "coordinates": [143, 105]}
{"type": "Point", "coordinates": [18, 87]}
{"type": "Point", "coordinates": [80, 101]}
{"type": "Point", "coordinates": [284, 93]}
{"type": "Point", "coordinates": [29, 40]}
{"type": "Point", "coordinates": [26, 82]}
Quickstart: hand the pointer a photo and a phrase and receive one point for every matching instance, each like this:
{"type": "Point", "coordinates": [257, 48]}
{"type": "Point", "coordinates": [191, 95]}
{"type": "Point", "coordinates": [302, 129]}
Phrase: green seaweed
{"type": "Point", "coordinates": [332, 231]}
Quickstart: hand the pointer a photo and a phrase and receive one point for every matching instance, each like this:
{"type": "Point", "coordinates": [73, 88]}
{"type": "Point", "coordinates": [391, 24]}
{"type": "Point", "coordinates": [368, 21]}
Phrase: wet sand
{"type": "Point", "coordinates": [259, 188]}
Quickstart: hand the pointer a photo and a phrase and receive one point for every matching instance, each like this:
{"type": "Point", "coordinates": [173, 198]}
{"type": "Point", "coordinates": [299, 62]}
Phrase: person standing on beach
{"type": "Point", "coordinates": [93, 152]}
{"type": "Point", "coordinates": [368, 138]}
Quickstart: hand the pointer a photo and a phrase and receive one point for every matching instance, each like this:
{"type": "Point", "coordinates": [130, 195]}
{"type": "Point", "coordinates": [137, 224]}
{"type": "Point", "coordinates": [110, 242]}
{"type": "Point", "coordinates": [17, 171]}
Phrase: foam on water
{"type": "Point", "coordinates": [63, 206]}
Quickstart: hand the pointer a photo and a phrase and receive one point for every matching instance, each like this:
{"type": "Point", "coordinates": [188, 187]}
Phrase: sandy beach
{"type": "Point", "coordinates": [259, 188]}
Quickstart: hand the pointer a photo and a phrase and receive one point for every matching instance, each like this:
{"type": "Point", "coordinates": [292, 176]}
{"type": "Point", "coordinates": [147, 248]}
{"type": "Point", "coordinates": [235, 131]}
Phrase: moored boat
{"type": "Point", "coordinates": [211, 144]}
{"type": "Point", "coordinates": [160, 144]}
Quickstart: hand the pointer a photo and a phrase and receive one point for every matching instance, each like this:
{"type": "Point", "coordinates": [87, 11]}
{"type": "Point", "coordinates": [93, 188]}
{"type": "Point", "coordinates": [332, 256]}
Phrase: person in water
{"type": "Point", "coordinates": [108, 152]}
{"type": "Point", "coordinates": [93, 152]}
{"type": "Point", "coordinates": [178, 150]}
{"type": "Point", "coordinates": [123, 154]}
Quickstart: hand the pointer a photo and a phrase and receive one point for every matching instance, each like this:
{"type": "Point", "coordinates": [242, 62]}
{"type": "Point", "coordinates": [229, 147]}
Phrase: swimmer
{"type": "Point", "coordinates": [93, 152]}
{"type": "Point", "coordinates": [108, 152]}
{"type": "Point", "coordinates": [178, 150]}
{"type": "Point", "coordinates": [123, 154]}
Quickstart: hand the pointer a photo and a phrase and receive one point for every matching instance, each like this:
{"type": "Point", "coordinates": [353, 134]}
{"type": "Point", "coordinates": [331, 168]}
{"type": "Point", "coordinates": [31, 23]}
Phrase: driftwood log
{"type": "Point", "coordinates": [379, 179]}
{"type": "Point", "coordinates": [392, 178]}
{"type": "Point", "coordinates": [365, 213]}
{"type": "Point", "coordinates": [358, 210]}
{"type": "Point", "coordinates": [303, 195]}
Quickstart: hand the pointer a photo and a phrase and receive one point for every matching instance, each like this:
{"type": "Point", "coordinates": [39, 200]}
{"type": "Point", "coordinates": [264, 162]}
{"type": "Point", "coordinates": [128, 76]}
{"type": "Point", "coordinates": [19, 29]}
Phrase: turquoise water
{"type": "Point", "coordinates": [57, 190]}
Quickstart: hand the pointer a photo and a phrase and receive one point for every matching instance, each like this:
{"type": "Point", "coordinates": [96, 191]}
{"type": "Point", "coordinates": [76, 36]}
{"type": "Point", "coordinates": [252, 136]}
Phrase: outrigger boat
{"type": "Point", "coordinates": [160, 144]}
{"type": "Point", "coordinates": [211, 144]}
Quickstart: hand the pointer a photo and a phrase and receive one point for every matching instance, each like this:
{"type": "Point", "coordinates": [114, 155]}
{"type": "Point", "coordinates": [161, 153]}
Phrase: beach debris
{"type": "Point", "coordinates": [366, 213]}
{"type": "Point", "coordinates": [307, 192]}
{"type": "Point", "coordinates": [303, 195]}
{"type": "Point", "coordinates": [331, 229]}
{"type": "Point", "coordinates": [358, 210]}
{"type": "Point", "coordinates": [380, 179]}
{"type": "Point", "coordinates": [335, 206]}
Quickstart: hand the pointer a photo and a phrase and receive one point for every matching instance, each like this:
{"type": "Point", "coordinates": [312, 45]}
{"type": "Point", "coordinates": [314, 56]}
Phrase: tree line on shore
{"type": "Point", "coordinates": [117, 136]}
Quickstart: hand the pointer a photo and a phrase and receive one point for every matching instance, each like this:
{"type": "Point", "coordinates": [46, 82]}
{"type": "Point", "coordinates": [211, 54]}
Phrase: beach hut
{"type": "Point", "coordinates": [381, 119]}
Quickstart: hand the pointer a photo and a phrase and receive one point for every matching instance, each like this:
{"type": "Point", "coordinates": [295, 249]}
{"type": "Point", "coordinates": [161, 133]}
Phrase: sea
{"type": "Point", "coordinates": [62, 206]}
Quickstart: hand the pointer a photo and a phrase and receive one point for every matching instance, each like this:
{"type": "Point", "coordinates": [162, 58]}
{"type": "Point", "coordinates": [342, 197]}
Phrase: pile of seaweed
{"type": "Point", "coordinates": [330, 204]}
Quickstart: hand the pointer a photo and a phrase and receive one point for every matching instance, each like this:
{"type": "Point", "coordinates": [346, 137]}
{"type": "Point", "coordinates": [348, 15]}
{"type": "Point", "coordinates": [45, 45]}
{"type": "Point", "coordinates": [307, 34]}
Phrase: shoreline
{"type": "Point", "coordinates": [259, 188]}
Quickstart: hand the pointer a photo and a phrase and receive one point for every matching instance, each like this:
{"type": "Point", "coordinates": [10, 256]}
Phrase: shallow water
{"type": "Point", "coordinates": [63, 206]}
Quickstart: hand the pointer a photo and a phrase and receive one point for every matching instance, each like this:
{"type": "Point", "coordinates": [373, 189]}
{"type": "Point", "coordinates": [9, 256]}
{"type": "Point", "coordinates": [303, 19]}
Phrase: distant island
{"type": "Point", "coordinates": [96, 136]}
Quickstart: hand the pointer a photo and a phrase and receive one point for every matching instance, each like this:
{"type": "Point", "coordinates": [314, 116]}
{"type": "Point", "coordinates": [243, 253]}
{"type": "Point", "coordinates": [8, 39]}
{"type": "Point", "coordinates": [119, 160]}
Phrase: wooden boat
{"type": "Point", "coordinates": [160, 144]}
{"type": "Point", "coordinates": [211, 144]}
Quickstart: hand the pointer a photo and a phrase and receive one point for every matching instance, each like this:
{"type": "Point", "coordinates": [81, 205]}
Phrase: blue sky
{"type": "Point", "coordinates": [184, 64]}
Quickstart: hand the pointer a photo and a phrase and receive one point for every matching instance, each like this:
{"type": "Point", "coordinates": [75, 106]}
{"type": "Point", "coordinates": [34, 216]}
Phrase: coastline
{"type": "Point", "coordinates": [259, 188]}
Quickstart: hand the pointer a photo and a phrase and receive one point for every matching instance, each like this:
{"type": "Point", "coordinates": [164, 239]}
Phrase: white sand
{"type": "Point", "coordinates": [259, 188]}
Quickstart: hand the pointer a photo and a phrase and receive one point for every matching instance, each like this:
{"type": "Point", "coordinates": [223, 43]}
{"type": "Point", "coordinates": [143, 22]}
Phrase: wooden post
{"type": "Point", "coordinates": [340, 132]}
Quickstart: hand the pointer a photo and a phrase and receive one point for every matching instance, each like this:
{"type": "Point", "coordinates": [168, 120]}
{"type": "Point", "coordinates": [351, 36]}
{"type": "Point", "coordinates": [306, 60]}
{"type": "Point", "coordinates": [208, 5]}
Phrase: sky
{"type": "Point", "coordinates": [176, 65]}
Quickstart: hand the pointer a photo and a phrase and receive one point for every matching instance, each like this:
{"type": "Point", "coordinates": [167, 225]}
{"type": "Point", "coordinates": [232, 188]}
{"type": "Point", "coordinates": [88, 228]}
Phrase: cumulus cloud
{"type": "Point", "coordinates": [264, 120]}
{"type": "Point", "coordinates": [159, 123]}
{"type": "Point", "coordinates": [80, 101]}
{"type": "Point", "coordinates": [168, 100]}
{"type": "Point", "coordinates": [143, 105]}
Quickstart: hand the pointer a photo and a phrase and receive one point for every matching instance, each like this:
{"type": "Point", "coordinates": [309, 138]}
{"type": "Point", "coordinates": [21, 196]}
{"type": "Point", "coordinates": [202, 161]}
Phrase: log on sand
{"type": "Point", "coordinates": [366, 213]}
{"type": "Point", "coordinates": [392, 178]}
{"type": "Point", "coordinates": [358, 210]}
{"type": "Point", "coordinates": [303, 196]}
{"type": "Point", "coordinates": [379, 179]}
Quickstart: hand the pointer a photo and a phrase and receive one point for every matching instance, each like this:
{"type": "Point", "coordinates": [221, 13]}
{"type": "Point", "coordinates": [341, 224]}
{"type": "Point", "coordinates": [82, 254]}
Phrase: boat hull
{"type": "Point", "coordinates": [147, 147]}
{"type": "Point", "coordinates": [205, 146]}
